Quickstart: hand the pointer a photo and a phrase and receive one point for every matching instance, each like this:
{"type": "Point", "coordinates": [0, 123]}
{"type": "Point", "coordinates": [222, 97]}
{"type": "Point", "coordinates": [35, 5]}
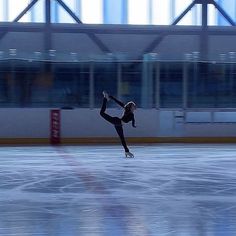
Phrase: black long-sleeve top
{"type": "Point", "coordinates": [127, 115]}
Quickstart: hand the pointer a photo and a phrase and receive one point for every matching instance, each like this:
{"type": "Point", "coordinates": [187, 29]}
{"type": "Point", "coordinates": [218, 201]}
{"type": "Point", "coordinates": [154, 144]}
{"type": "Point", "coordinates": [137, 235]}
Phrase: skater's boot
{"type": "Point", "coordinates": [129, 154]}
{"type": "Point", "coordinates": [105, 94]}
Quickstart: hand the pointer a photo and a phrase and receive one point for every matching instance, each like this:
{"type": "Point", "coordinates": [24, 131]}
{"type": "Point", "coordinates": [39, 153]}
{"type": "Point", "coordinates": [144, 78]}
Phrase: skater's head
{"type": "Point", "coordinates": [130, 106]}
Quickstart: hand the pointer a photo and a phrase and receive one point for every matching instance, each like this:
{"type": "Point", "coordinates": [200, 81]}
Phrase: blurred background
{"type": "Point", "coordinates": [172, 54]}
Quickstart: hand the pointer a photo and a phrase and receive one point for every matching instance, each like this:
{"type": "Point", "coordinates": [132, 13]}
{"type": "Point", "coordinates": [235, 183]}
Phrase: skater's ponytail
{"type": "Point", "coordinates": [128, 105]}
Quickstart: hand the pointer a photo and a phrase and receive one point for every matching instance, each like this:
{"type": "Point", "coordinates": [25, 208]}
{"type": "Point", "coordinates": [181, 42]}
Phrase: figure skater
{"type": "Point", "coordinates": [128, 115]}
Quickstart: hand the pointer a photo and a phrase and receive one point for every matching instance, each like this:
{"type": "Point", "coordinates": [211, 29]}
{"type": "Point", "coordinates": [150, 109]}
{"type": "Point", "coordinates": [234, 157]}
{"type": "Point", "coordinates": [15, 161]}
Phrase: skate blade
{"type": "Point", "coordinates": [129, 156]}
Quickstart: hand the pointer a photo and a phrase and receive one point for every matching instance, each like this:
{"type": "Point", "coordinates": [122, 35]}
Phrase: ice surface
{"type": "Point", "coordinates": [179, 190]}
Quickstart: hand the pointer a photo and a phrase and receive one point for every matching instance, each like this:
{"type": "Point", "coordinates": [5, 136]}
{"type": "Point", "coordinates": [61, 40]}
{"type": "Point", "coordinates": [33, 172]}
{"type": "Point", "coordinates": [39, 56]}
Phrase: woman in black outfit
{"type": "Point", "coordinates": [128, 115]}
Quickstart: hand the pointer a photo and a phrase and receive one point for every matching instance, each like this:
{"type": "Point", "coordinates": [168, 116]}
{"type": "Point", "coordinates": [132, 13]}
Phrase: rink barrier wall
{"type": "Point", "coordinates": [86, 126]}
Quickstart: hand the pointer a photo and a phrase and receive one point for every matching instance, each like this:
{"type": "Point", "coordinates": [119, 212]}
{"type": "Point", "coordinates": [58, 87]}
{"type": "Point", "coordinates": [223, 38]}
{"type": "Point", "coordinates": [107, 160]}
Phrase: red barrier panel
{"type": "Point", "coordinates": [55, 126]}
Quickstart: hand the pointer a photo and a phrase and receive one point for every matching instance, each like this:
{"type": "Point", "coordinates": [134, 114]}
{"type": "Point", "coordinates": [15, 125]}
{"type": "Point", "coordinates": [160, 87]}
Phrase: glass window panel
{"type": "Point", "coordinates": [70, 85]}
{"type": "Point", "coordinates": [54, 11]}
{"type": "Point", "coordinates": [114, 11]}
{"type": "Point", "coordinates": [211, 85]}
{"type": "Point", "coordinates": [16, 7]}
{"type": "Point", "coordinates": [1, 10]}
{"type": "Point", "coordinates": [171, 86]}
{"type": "Point", "coordinates": [180, 6]}
{"type": "Point", "coordinates": [138, 12]}
{"type": "Point", "coordinates": [161, 12]}
{"type": "Point", "coordinates": [92, 11]}
{"type": "Point", "coordinates": [212, 15]}
{"type": "Point", "coordinates": [103, 72]}
{"type": "Point", "coordinates": [63, 15]}
{"type": "Point", "coordinates": [38, 12]}
{"type": "Point", "coordinates": [197, 14]}
{"type": "Point", "coordinates": [229, 6]}
{"type": "Point", "coordinates": [78, 7]}
{"type": "Point", "coordinates": [131, 82]}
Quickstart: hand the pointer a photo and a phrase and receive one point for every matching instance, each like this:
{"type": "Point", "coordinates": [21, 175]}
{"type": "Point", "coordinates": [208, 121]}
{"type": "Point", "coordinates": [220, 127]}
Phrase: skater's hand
{"type": "Point", "coordinates": [134, 126]}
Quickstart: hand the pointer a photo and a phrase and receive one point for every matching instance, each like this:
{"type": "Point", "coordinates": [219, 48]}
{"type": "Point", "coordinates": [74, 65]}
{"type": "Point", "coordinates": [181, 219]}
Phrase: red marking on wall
{"type": "Point", "coordinates": [55, 116]}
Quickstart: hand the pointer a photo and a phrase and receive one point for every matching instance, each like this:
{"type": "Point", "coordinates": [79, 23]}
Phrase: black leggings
{"type": "Point", "coordinates": [116, 122]}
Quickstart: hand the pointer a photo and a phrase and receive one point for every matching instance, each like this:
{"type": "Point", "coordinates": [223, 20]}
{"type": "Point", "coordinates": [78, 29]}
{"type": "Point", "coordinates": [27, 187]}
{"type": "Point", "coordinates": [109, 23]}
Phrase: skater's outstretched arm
{"type": "Point", "coordinates": [117, 101]}
{"type": "Point", "coordinates": [133, 122]}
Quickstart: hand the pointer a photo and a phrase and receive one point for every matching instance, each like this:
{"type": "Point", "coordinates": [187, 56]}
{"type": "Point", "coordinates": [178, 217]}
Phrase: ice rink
{"type": "Point", "coordinates": [169, 190]}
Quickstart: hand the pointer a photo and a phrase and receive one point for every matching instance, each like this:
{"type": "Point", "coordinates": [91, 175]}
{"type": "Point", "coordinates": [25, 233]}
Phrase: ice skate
{"type": "Point", "coordinates": [129, 154]}
{"type": "Point", "coordinates": [105, 94]}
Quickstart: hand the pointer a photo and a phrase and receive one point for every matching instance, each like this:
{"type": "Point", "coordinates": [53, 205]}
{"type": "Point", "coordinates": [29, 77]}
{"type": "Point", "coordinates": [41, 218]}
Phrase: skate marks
{"type": "Point", "coordinates": [165, 190]}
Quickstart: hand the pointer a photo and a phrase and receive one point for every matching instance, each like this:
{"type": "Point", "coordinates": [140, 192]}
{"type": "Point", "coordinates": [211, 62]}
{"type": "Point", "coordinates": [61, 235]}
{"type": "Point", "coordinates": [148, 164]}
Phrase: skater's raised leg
{"type": "Point", "coordinates": [103, 109]}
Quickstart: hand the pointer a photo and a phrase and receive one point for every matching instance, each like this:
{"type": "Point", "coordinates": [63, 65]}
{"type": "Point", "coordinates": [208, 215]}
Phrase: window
{"type": "Point", "coordinates": [161, 12]}
{"type": "Point", "coordinates": [138, 12]}
{"type": "Point", "coordinates": [229, 7]}
{"type": "Point", "coordinates": [15, 8]}
{"type": "Point", "coordinates": [196, 14]}
{"type": "Point", "coordinates": [2, 10]}
{"type": "Point", "coordinates": [37, 12]}
{"type": "Point", "coordinates": [212, 15]}
{"type": "Point", "coordinates": [157, 12]}
{"type": "Point", "coordinates": [115, 11]}
{"type": "Point", "coordinates": [92, 11]}
{"type": "Point", "coordinates": [180, 6]}
{"type": "Point", "coordinates": [63, 16]}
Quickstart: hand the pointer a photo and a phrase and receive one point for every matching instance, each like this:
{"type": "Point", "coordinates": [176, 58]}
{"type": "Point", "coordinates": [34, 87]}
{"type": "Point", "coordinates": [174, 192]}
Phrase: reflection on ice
{"type": "Point", "coordinates": [165, 190]}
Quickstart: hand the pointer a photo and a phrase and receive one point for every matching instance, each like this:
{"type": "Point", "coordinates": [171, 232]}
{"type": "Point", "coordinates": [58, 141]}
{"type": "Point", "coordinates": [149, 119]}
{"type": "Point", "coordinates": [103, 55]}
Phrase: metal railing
{"type": "Point", "coordinates": [65, 80]}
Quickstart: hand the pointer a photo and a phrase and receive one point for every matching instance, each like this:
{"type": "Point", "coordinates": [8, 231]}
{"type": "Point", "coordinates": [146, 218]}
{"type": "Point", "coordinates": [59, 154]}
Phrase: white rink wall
{"type": "Point", "coordinates": [76, 123]}
{"type": "Point", "coordinates": [89, 123]}
{"type": "Point", "coordinates": [33, 123]}
{"type": "Point", "coordinates": [24, 123]}
{"type": "Point", "coordinates": [198, 123]}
